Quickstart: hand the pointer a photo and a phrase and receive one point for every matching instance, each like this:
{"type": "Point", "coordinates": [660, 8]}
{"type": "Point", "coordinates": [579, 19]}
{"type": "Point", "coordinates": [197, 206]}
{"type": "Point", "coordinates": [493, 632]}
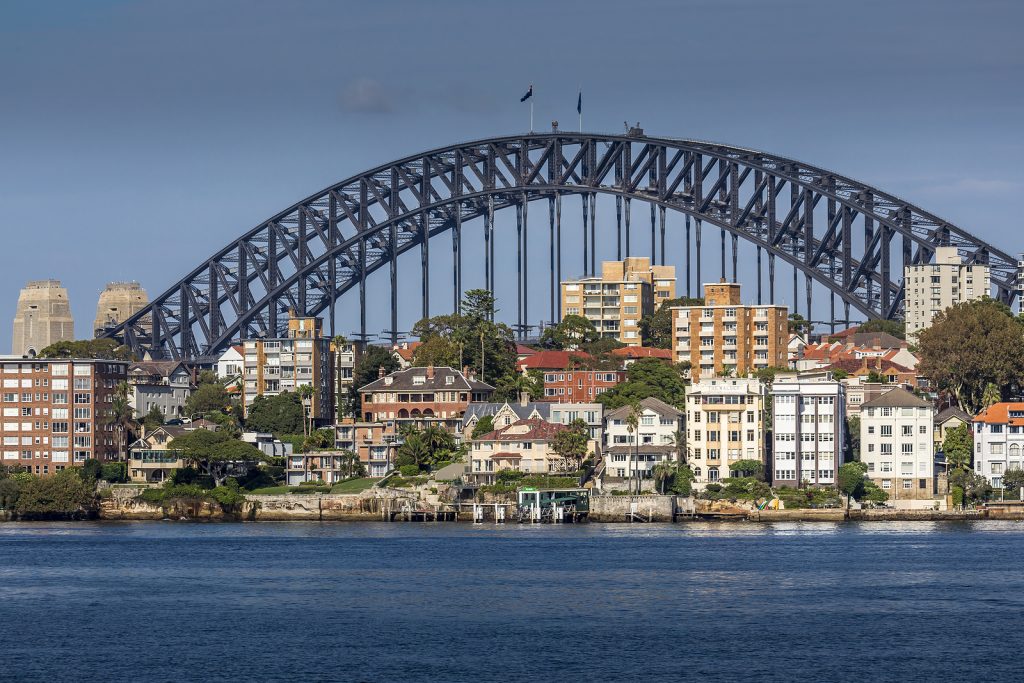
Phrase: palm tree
{"type": "Point", "coordinates": [991, 395]}
{"type": "Point", "coordinates": [416, 448]}
{"type": "Point", "coordinates": [662, 472]}
{"type": "Point", "coordinates": [121, 417]}
{"type": "Point", "coordinates": [632, 426]}
{"type": "Point", "coordinates": [305, 392]}
{"type": "Point", "coordinates": [679, 443]}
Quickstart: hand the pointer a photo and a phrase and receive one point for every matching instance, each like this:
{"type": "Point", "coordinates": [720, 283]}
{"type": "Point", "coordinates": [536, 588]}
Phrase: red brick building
{"type": "Point", "coordinates": [579, 386]}
{"type": "Point", "coordinates": [422, 397]}
{"type": "Point", "coordinates": [54, 411]}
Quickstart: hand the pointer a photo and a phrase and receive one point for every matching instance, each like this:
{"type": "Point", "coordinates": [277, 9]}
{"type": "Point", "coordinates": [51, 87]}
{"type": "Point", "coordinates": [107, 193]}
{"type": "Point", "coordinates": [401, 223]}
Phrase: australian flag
{"type": "Point", "coordinates": [579, 103]}
{"type": "Point", "coordinates": [528, 95]}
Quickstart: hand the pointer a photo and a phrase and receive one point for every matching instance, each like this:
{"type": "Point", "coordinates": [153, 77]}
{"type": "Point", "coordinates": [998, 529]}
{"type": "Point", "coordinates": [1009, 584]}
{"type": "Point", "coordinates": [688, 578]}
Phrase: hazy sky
{"type": "Point", "coordinates": [136, 138]}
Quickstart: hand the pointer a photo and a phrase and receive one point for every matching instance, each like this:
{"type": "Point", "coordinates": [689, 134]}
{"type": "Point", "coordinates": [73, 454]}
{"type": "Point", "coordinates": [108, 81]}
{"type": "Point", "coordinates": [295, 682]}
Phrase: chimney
{"type": "Point", "coordinates": [380, 372]}
{"type": "Point", "coordinates": [524, 398]}
{"type": "Point", "coordinates": [430, 372]}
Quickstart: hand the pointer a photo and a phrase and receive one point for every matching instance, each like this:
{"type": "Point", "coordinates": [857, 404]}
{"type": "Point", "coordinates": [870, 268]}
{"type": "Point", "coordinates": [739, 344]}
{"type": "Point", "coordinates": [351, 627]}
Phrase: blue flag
{"type": "Point", "coordinates": [528, 95]}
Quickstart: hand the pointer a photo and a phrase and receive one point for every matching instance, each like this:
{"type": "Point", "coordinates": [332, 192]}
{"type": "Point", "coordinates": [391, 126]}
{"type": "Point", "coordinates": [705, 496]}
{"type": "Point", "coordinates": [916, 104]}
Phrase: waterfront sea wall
{"type": "Point", "coordinates": [325, 507]}
{"type": "Point", "coordinates": [632, 508]}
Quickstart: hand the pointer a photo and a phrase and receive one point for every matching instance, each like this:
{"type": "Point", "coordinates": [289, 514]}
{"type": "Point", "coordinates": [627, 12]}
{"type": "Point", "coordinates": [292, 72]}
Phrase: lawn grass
{"type": "Point", "coordinates": [354, 485]}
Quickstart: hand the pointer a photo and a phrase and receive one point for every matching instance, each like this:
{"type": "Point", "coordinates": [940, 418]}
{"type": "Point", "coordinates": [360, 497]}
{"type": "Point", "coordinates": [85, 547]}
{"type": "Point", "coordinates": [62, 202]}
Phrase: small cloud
{"type": "Point", "coordinates": [367, 96]}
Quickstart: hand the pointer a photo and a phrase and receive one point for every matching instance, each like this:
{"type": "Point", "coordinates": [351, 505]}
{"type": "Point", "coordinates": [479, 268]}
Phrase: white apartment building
{"type": "Point", "coordinates": [931, 288]}
{"type": "Point", "coordinates": [999, 441]}
{"type": "Point", "coordinates": [631, 454]}
{"type": "Point", "coordinates": [231, 365]}
{"type": "Point", "coordinates": [808, 429]}
{"type": "Point", "coordinates": [724, 423]}
{"type": "Point", "coordinates": [896, 444]}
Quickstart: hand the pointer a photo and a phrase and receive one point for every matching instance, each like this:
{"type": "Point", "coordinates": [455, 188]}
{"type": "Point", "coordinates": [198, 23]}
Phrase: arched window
{"type": "Point", "coordinates": [1014, 450]}
{"type": "Point", "coordinates": [403, 414]}
{"type": "Point", "coordinates": [696, 473]}
{"type": "Point", "coordinates": [712, 474]}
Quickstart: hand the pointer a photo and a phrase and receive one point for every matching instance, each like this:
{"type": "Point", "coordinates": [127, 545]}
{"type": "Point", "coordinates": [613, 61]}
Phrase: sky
{"type": "Point", "coordinates": [137, 138]}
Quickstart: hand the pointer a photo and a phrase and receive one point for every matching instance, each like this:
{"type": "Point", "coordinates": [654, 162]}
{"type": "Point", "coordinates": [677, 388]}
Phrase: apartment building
{"type": "Point", "coordinates": [510, 412]}
{"type": "Point", "coordinates": [346, 354]}
{"type": "Point", "coordinates": [896, 444]}
{"type": "Point", "coordinates": [422, 397]}
{"type": "Point", "coordinates": [999, 441]}
{"type": "Point", "coordinates": [579, 386]}
{"type": "Point", "coordinates": [808, 429]}
{"type": "Point", "coordinates": [303, 358]}
{"type": "Point", "coordinates": [368, 440]}
{"type": "Point", "coordinates": [724, 334]}
{"type": "Point", "coordinates": [54, 411]}
{"type": "Point", "coordinates": [931, 288]}
{"type": "Point", "coordinates": [631, 454]}
{"type": "Point", "coordinates": [626, 292]}
{"type": "Point", "coordinates": [724, 423]}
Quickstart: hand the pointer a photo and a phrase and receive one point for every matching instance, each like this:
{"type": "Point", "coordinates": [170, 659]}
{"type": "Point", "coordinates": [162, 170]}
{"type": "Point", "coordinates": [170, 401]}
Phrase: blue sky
{"type": "Point", "coordinates": [136, 138]}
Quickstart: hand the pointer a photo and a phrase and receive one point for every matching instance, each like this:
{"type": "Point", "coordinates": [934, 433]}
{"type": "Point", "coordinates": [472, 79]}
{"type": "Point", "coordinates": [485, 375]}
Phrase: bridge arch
{"type": "Point", "coordinates": [834, 230]}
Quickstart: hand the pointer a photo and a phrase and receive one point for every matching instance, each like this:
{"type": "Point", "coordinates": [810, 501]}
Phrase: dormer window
{"type": "Point", "coordinates": [449, 380]}
{"type": "Point", "coordinates": [419, 380]}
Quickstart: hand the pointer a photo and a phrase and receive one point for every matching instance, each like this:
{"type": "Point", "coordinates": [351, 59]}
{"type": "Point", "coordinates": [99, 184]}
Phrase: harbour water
{"type": "Point", "coordinates": [456, 602]}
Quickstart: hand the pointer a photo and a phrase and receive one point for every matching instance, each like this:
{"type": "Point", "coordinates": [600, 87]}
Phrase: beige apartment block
{"type": "Point", "coordinates": [43, 317]}
{"type": "Point", "coordinates": [626, 292]}
{"type": "Point", "coordinates": [724, 424]}
{"type": "Point", "coordinates": [931, 288]}
{"type": "Point", "coordinates": [724, 335]}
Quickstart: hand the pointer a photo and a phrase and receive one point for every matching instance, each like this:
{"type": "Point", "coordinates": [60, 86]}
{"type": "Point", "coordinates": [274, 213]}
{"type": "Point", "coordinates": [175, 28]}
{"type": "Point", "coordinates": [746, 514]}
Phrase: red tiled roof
{"type": "Point", "coordinates": [407, 351]}
{"type": "Point", "coordinates": [552, 360]}
{"type": "Point", "coordinates": [999, 413]}
{"type": "Point", "coordinates": [522, 350]}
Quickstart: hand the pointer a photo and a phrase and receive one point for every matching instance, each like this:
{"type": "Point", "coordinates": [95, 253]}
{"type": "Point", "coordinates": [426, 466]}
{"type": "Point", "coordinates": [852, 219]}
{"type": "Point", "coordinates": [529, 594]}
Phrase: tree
{"type": "Point", "coordinates": [206, 398]}
{"type": "Point", "coordinates": [1013, 480]}
{"type": "Point", "coordinates": [874, 377]}
{"type": "Point", "coordinates": [893, 327]}
{"type": "Point", "coordinates": [572, 332]}
{"type": "Point", "coordinates": [570, 444]}
{"type": "Point", "coordinates": [154, 418]}
{"type": "Point", "coordinates": [414, 451]}
{"type": "Point", "coordinates": [974, 486]}
{"type": "Point", "coordinates": [121, 417]}
{"type": "Point", "coordinates": [215, 453]}
{"type": "Point", "coordinates": [798, 324]}
{"type": "Point", "coordinates": [509, 387]}
{"type": "Point", "coordinates": [10, 489]}
{"type": "Point", "coordinates": [958, 448]}
{"type": "Point", "coordinates": [682, 448]}
{"type": "Point", "coordinates": [656, 329]}
{"type": "Point", "coordinates": [645, 378]}
{"type": "Point", "coordinates": [64, 495]}
{"type": "Point", "coordinates": [682, 480]}
{"type": "Point", "coordinates": [662, 473]}
{"type": "Point", "coordinates": [850, 479]}
{"type": "Point", "coordinates": [280, 414]}
{"type": "Point", "coordinates": [305, 392]}
{"type": "Point", "coordinates": [747, 468]}
{"type": "Point", "coordinates": [438, 351]}
{"type": "Point", "coordinates": [483, 426]}
{"type": "Point", "coordinates": [853, 437]}
{"type": "Point", "coordinates": [969, 346]}
{"type": "Point", "coordinates": [991, 395]}
{"type": "Point", "coordinates": [101, 349]}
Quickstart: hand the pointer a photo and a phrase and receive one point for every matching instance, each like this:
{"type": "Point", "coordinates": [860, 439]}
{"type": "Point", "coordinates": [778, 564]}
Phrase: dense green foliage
{"type": "Point", "coordinates": [509, 481]}
{"type": "Point", "coordinates": [958, 448]}
{"type": "Point", "coordinates": [748, 468]}
{"type": "Point", "coordinates": [509, 387]}
{"type": "Point", "coordinates": [426, 449]}
{"type": "Point", "coordinates": [571, 333]}
{"type": "Point", "coordinates": [850, 477]}
{"type": "Point", "coordinates": [153, 419]}
{"type": "Point", "coordinates": [645, 378]}
{"type": "Point", "coordinates": [656, 329]}
{"type": "Point", "coordinates": [975, 487]}
{"type": "Point", "coordinates": [893, 327]}
{"type": "Point", "coordinates": [483, 426]}
{"type": "Point", "coordinates": [970, 346]}
{"type": "Point", "coordinates": [65, 495]}
{"type": "Point", "coordinates": [104, 349]}
{"type": "Point", "coordinates": [571, 445]}
{"type": "Point", "coordinates": [280, 414]}
{"type": "Point", "coordinates": [1013, 480]}
{"type": "Point", "coordinates": [215, 453]}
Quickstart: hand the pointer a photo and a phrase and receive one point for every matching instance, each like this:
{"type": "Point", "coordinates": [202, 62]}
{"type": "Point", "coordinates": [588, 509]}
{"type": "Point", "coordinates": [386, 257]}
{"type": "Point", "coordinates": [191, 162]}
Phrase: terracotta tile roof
{"type": "Point", "coordinates": [407, 350]}
{"type": "Point", "coordinates": [522, 350]}
{"type": "Point", "coordinates": [999, 413]}
{"type": "Point", "coordinates": [525, 430]}
{"type": "Point", "coordinates": [552, 360]}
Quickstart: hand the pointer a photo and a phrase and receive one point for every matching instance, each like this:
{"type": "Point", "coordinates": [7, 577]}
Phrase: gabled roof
{"type": "Point", "coordinates": [876, 340]}
{"type": "Point", "coordinates": [523, 350]}
{"type": "Point", "coordinates": [650, 403]}
{"type": "Point", "coordinates": [480, 410]}
{"type": "Point", "coordinates": [897, 398]}
{"type": "Point", "coordinates": [403, 380]}
{"type": "Point", "coordinates": [951, 412]}
{"type": "Point", "coordinates": [406, 351]}
{"type": "Point", "coordinates": [159, 368]}
{"type": "Point", "coordinates": [553, 360]}
{"type": "Point", "coordinates": [999, 413]}
{"type": "Point", "coordinates": [525, 430]}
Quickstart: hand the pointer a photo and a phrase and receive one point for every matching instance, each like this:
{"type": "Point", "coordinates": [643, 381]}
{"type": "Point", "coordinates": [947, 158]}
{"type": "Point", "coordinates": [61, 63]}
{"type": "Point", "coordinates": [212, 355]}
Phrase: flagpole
{"type": "Point", "coordinates": [580, 101]}
{"type": "Point", "coordinates": [531, 113]}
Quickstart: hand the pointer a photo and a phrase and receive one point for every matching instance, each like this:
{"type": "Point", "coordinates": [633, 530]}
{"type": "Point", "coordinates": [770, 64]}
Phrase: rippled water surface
{"type": "Point", "coordinates": [455, 602]}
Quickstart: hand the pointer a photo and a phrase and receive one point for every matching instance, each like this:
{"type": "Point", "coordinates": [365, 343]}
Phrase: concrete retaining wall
{"type": "Point", "coordinates": [618, 508]}
{"type": "Point", "coordinates": [315, 507]}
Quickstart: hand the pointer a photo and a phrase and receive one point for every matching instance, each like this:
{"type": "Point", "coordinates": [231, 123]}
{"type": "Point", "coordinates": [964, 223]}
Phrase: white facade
{"type": "Point", "coordinates": [808, 413]}
{"type": "Point", "coordinates": [591, 413]}
{"type": "Point", "coordinates": [231, 364]}
{"type": "Point", "coordinates": [896, 444]}
{"type": "Point", "coordinates": [724, 423]}
{"type": "Point", "coordinates": [999, 441]}
{"type": "Point", "coordinates": [933, 287]}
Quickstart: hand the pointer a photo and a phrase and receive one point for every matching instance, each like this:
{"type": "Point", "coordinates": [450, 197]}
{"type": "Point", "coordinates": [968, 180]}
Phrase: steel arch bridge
{"type": "Point", "coordinates": [836, 231]}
